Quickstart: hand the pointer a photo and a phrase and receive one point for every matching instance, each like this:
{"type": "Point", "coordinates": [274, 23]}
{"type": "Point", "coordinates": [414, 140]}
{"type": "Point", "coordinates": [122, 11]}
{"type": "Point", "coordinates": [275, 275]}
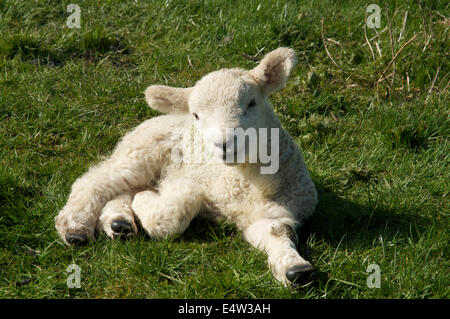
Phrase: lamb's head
{"type": "Point", "coordinates": [229, 99]}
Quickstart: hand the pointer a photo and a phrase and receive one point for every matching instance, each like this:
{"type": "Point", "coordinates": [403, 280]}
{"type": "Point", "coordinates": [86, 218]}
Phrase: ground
{"type": "Point", "coordinates": [370, 113]}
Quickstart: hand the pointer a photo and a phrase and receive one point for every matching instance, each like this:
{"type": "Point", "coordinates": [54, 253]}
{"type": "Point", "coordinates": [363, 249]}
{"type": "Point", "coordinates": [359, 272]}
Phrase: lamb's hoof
{"type": "Point", "coordinates": [300, 274]}
{"type": "Point", "coordinates": [76, 238]}
{"type": "Point", "coordinates": [122, 228]}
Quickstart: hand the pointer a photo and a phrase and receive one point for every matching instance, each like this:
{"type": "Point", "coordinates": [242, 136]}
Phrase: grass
{"type": "Point", "coordinates": [378, 152]}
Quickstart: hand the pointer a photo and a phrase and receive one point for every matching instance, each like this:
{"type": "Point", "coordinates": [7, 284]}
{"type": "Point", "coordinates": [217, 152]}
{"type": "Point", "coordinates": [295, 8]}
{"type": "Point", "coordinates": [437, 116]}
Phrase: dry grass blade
{"type": "Point", "coordinates": [367, 40]}
{"type": "Point", "coordinates": [326, 50]}
{"type": "Point", "coordinates": [378, 34]}
{"type": "Point", "coordinates": [403, 26]}
{"type": "Point", "coordinates": [249, 57]}
{"type": "Point", "coordinates": [395, 56]}
{"type": "Point", "coordinates": [432, 84]}
{"type": "Point", "coordinates": [423, 19]}
{"type": "Point", "coordinates": [392, 42]}
{"type": "Point", "coordinates": [378, 49]}
{"type": "Point", "coordinates": [407, 80]}
{"type": "Point", "coordinates": [442, 80]}
{"type": "Point", "coordinates": [333, 41]}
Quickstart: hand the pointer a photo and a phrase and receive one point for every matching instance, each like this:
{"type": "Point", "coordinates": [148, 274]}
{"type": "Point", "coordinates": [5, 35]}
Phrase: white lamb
{"type": "Point", "coordinates": [142, 180]}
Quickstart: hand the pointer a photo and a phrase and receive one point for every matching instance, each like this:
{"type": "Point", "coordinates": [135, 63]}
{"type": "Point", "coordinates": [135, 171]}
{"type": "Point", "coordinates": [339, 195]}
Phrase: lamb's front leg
{"type": "Point", "coordinates": [117, 218]}
{"type": "Point", "coordinates": [278, 239]}
{"type": "Point", "coordinates": [76, 222]}
{"type": "Point", "coordinates": [168, 212]}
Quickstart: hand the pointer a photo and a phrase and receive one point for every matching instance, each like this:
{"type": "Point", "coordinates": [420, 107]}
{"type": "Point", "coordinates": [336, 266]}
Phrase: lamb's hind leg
{"type": "Point", "coordinates": [76, 222]}
{"type": "Point", "coordinates": [117, 218]}
{"type": "Point", "coordinates": [278, 239]}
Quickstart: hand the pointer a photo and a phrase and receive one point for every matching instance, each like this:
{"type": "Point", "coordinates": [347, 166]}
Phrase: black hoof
{"type": "Point", "coordinates": [121, 226]}
{"type": "Point", "coordinates": [299, 274]}
{"type": "Point", "coordinates": [76, 238]}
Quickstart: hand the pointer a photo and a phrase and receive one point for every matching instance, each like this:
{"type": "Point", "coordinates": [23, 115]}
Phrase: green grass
{"type": "Point", "coordinates": [379, 154]}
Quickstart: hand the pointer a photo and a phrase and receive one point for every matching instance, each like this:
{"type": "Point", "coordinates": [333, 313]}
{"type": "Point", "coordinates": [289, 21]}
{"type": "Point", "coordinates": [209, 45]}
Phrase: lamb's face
{"type": "Point", "coordinates": [229, 102]}
{"type": "Point", "coordinates": [224, 101]}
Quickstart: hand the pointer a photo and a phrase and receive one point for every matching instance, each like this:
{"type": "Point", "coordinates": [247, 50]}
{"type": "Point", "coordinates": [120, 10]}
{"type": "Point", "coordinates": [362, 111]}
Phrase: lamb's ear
{"type": "Point", "coordinates": [274, 69]}
{"type": "Point", "coordinates": [167, 99]}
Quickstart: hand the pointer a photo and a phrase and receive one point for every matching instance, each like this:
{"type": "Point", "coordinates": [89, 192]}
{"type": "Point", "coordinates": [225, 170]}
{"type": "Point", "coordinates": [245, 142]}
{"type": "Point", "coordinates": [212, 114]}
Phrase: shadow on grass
{"type": "Point", "coordinates": [92, 47]}
{"type": "Point", "coordinates": [339, 221]}
{"type": "Point", "coordinates": [345, 224]}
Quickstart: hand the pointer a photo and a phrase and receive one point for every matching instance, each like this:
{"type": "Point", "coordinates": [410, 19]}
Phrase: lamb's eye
{"type": "Point", "coordinates": [252, 103]}
{"type": "Point", "coordinates": [196, 116]}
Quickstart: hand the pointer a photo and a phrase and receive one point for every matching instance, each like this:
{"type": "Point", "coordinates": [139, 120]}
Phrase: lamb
{"type": "Point", "coordinates": [151, 181]}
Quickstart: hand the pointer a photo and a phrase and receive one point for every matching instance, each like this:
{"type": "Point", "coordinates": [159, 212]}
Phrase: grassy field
{"type": "Point", "coordinates": [369, 107]}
